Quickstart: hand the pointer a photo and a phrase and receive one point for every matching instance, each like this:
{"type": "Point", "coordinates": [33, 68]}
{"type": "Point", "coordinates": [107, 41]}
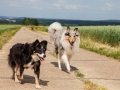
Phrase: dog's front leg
{"type": "Point", "coordinates": [65, 59]}
{"type": "Point", "coordinates": [59, 63]}
{"type": "Point", "coordinates": [37, 72]}
{"type": "Point", "coordinates": [21, 73]}
{"type": "Point", "coordinates": [15, 73]}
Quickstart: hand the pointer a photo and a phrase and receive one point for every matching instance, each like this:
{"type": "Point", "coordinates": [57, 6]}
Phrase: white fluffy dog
{"type": "Point", "coordinates": [66, 43]}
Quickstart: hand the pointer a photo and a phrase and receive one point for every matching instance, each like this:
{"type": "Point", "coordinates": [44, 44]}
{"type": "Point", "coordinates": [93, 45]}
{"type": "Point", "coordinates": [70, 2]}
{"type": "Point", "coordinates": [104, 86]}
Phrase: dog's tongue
{"type": "Point", "coordinates": [42, 59]}
{"type": "Point", "coordinates": [71, 43]}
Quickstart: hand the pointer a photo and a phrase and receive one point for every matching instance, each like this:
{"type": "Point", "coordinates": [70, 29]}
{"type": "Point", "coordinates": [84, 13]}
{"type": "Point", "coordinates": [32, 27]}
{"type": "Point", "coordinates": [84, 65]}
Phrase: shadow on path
{"type": "Point", "coordinates": [64, 67]}
{"type": "Point", "coordinates": [31, 79]}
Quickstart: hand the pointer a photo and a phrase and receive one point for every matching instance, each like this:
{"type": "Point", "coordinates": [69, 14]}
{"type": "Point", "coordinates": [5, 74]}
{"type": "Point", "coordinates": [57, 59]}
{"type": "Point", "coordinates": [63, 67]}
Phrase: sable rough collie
{"type": "Point", "coordinates": [23, 56]}
{"type": "Point", "coordinates": [66, 43]}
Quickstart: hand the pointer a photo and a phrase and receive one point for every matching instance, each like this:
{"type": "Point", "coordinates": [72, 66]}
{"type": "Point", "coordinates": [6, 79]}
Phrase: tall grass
{"type": "Point", "coordinates": [6, 32]}
{"type": "Point", "coordinates": [102, 34]}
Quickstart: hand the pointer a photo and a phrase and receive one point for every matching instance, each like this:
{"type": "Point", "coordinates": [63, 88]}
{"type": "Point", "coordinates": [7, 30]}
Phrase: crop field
{"type": "Point", "coordinates": [6, 32]}
{"type": "Point", "coordinates": [3, 28]}
{"type": "Point", "coordinates": [102, 34]}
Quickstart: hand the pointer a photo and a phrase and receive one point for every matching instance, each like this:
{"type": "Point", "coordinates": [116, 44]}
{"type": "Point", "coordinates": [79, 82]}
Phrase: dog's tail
{"type": "Point", "coordinates": [53, 28]}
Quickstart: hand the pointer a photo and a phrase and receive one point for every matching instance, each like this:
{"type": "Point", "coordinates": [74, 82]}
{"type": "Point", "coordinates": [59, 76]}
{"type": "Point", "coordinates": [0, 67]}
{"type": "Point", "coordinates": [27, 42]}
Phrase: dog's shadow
{"type": "Point", "coordinates": [31, 79]}
{"type": "Point", "coordinates": [64, 67]}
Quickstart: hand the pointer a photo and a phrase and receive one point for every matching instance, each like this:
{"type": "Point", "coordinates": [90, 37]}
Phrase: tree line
{"type": "Point", "coordinates": [30, 21]}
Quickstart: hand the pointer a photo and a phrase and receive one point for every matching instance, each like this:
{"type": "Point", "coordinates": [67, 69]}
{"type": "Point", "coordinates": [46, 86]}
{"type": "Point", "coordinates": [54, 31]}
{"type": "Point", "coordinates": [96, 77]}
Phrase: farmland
{"type": "Point", "coordinates": [6, 32]}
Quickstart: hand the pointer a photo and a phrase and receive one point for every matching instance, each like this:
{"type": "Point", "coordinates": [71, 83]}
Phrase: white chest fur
{"type": "Point", "coordinates": [29, 65]}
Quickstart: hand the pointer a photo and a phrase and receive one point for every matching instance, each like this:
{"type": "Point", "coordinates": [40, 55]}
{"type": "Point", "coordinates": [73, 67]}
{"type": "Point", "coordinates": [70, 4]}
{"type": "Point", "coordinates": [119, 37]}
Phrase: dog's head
{"type": "Point", "coordinates": [39, 49]}
{"type": "Point", "coordinates": [71, 35]}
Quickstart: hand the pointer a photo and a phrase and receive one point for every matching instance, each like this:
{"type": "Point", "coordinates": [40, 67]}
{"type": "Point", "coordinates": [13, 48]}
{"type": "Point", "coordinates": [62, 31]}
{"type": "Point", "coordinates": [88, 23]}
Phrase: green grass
{"type": "Point", "coordinates": [78, 74]}
{"type": "Point", "coordinates": [102, 34]}
{"type": "Point", "coordinates": [6, 32]}
{"type": "Point", "coordinates": [103, 49]}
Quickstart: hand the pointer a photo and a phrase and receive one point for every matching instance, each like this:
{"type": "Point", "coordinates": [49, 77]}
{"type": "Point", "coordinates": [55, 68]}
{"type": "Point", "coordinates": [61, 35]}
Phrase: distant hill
{"type": "Point", "coordinates": [45, 21]}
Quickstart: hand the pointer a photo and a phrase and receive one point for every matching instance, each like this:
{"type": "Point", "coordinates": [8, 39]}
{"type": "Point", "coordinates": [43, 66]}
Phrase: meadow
{"type": "Point", "coordinates": [6, 32]}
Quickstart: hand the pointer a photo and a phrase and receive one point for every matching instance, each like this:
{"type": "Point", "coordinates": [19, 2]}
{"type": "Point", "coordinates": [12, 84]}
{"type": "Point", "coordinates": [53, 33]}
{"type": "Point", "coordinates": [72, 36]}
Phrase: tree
{"type": "Point", "coordinates": [30, 21]}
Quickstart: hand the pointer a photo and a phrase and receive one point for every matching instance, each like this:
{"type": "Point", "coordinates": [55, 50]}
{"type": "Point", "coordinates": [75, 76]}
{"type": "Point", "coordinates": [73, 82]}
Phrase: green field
{"type": "Point", "coordinates": [102, 34]}
{"type": "Point", "coordinates": [6, 32]}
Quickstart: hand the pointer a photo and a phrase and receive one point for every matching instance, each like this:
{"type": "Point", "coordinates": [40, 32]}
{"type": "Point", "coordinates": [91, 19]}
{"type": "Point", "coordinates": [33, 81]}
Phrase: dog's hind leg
{"type": "Point", "coordinates": [15, 73]}
{"type": "Point", "coordinates": [37, 73]}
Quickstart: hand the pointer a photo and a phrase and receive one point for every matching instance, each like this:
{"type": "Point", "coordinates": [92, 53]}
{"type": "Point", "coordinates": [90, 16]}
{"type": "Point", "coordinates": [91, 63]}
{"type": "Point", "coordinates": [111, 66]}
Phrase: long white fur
{"type": "Point", "coordinates": [68, 52]}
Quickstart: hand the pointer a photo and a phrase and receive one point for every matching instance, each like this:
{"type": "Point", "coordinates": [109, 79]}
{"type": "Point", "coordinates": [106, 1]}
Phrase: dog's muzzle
{"type": "Point", "coordinates": [41, 58]}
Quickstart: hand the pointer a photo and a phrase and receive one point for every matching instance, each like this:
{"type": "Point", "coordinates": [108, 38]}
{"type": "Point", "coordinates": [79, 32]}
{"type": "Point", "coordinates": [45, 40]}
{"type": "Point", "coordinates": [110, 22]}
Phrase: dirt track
{"type": "Point", "coordinates": [98, 69]}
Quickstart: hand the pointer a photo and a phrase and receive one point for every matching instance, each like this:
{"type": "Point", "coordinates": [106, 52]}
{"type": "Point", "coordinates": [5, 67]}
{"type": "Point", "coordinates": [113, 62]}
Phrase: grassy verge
{"type": "Point", "coordinates": [103, 49]}
{"type": "Point", "coordinates": [6, 34]}
{"type": "Point", "coordinates": [88, 85]}
{"type": "Point", "coordinates": [92, 86]}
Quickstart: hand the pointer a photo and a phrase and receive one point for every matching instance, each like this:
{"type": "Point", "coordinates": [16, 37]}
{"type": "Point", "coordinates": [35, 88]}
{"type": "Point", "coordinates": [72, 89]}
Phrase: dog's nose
{"type": "Point", "coordinates": [44, 56]}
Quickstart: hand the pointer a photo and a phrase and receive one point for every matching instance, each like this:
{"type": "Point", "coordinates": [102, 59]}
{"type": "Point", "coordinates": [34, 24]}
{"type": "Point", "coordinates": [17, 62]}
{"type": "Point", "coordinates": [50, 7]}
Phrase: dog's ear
{"type": "Point", "coordinates": [76, 30]}
{"type": "Point", "coordinates": [44, 42]}
{"type": "Point", "coordinates": [36, 42]}
{"type": "Point", "coordinates": [68, 29]}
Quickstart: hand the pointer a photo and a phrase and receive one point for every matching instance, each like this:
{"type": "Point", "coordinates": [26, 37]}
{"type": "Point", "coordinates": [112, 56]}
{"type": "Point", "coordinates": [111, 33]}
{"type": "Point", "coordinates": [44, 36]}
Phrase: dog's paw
{"type": "Point", "coordinates": [60, 68]}
{"type": "Point", "coordinates": [68, 71]}
{"type": "Point", "coordinates": [38, 86]}
{"type": "Point", "coordinates": [17, 81]}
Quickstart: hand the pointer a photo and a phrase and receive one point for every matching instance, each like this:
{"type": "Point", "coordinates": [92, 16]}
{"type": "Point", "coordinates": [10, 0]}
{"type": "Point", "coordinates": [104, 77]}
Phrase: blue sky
{"type": "Point", "coordinates": [62, 9]}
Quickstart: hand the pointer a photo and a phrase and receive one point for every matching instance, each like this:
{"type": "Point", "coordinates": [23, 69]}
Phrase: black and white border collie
{"type": "Point", "coordinates": [23, 56]}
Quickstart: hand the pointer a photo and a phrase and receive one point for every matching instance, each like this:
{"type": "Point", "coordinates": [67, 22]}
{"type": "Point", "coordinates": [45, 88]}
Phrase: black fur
{"type": "Point", "coordinates": [20, 55]}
